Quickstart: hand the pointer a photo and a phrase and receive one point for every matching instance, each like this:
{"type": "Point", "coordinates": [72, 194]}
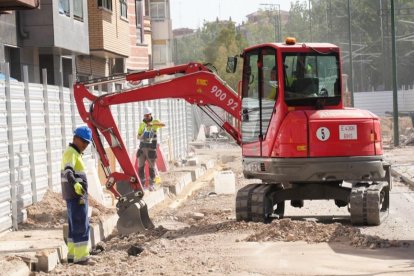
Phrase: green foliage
{"type": "Point", "coordinates": [325, 21]}
{"type": "Point", "coordinates": [213, 43]}
{"type": "Point", "coordinates": [188, 48]}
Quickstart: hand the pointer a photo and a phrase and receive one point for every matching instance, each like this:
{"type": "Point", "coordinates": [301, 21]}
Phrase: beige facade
{"type": "Point", "coordinates": [109, 39]}
{"type": "Point", "coordinates": [108, 31]}
{"type": "Point", "coordinates": [139, 36]}
{"type": "Point", "coordinates": [162, 36]}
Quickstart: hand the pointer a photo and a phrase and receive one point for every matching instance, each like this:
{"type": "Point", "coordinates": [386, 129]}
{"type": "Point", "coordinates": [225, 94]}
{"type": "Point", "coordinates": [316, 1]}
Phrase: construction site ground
{"type": "Point", "coordinates": [196, 233]}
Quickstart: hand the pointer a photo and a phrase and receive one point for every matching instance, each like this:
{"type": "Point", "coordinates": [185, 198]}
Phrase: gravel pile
{"type": "Point", "coordinates": [313, 232]}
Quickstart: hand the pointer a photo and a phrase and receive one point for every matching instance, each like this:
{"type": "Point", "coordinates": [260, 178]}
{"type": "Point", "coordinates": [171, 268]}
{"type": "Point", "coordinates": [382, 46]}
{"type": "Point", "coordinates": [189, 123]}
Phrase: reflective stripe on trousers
{"type": "Point", "coordinates": [78, 235]}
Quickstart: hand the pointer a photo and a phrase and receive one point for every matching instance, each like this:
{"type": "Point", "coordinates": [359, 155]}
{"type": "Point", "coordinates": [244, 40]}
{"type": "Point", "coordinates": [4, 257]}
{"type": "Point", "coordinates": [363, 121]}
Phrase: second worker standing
{"type": "Point", "coordinates": [147, 152]}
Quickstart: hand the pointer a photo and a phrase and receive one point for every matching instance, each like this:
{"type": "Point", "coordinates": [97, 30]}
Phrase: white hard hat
{"type": "Point", "coordinates": [147, 110]}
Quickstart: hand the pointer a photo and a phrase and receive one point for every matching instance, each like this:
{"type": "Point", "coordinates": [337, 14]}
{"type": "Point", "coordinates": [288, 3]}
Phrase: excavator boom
{"type": "Point", "coordinates": [192, 82]}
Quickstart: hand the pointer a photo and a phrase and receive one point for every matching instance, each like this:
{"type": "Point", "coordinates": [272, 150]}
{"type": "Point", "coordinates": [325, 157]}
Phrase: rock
{"type": "Point", "coordinates": [135, 250]}
{"type": "Point", "coordinates": [197, 216]}
{"type": "Point", "coordinates": [290, 237]}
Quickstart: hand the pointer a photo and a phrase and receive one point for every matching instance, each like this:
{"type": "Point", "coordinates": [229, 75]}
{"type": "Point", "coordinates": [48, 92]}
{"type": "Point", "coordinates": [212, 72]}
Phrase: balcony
{"type": "Point", "coordinates": [7, 5]}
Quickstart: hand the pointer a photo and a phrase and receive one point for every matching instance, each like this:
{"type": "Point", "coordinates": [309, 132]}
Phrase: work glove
{"type": "Point", "coordinates": [79, 189]}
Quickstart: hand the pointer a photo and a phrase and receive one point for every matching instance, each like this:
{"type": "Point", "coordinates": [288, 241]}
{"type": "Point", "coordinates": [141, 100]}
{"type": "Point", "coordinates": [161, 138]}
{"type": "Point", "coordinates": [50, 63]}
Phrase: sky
{"type": "Point", "coordinates": [192, 13]}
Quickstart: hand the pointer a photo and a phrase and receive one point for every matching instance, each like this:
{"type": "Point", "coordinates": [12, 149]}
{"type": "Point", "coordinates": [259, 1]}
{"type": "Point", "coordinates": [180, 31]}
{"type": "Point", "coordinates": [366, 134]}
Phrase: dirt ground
{"type": "Point", "coordinates": [406, 130]}
{"type": "Point", "coordinates": [196, 234]}
{"type": "Point", "coordinates": [50, 212]}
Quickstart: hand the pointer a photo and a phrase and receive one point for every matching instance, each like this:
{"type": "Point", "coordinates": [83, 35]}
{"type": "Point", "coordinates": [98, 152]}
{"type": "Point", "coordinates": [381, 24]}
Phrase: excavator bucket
{"type": "Point", "coordinates": [134, 219]}
{"type": "Point", "coordinates": [132, 212]}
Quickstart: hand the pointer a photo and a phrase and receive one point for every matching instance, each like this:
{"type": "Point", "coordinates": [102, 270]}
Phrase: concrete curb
{"type": "Point", "coordinates": [404, 178]}
{"type": "Point", "coordinates": [46, 259]}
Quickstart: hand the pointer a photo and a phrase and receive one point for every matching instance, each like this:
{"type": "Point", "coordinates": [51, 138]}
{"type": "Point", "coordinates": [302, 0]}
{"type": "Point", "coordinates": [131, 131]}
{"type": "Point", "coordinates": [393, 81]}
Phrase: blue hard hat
{"type": "Point", "coordinates": [83, 132]}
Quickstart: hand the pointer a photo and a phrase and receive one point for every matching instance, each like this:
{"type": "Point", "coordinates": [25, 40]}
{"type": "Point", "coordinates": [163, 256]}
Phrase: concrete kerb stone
{"type": "Point", "coordinates": [195, 172]}
{"type": "Point", "coordinates": [182, 181]}
{"type": "Point", "coordinates": [45, 248]}
{"type": "Point", "coordinates": [153, 198]}
{"type": "Point", "coordinates": [47, 259]}
{"type": "Point", "coordinates": [208, 164]}
{"type": "Point", "coordinates": [407, 178]}
{"type": "Point", "coordinates": [99, 231]}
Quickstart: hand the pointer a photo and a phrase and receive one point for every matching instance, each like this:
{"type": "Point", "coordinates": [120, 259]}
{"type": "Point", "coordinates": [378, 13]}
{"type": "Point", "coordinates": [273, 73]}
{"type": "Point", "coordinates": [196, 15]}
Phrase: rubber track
{"type": "Point", "coordinates": [260, 211]}
{"type": "Point", "coordinates": [366, 205]}
{"type": "Point", "coordinates": [243, 202]}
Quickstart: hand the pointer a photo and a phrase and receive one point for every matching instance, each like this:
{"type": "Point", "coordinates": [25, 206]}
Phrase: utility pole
{"type": "Point", "coordinates": [278, 21]}
{"type": "Point", "coordinates": [351, 75]}
{"type": "Point", "coordinates": [394, 77]}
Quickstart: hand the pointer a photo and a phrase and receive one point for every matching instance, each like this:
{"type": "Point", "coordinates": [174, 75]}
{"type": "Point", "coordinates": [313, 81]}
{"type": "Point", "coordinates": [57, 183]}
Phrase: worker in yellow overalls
{"type": "Point", "coordinates": [75, 192]}
{"type": "Point", "coordinates": [147, 152]}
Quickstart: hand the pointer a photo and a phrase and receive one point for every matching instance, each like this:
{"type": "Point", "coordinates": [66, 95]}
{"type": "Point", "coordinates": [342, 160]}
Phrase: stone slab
{"type": "Point", "coordinates": [154, 197]}
{"type": "Point", "coordinates": [208, 164]}
{"type": "Point", "coordinates": [47, 260]}
{"type": "Point", "coordinates": [181, 182]}
{"type": "Point", "coordinates": [195, 172]}
{"type": "Point", "coordinates": [405, 172]}
{"type": "Point", "coordinates": [47, 246]}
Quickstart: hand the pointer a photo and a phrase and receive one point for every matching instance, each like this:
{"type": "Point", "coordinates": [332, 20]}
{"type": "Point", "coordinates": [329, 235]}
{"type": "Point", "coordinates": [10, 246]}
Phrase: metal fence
{"type": "Point", "coordinates": [381, 102]}
{"type": "Point", "coordinates": [36, 124]}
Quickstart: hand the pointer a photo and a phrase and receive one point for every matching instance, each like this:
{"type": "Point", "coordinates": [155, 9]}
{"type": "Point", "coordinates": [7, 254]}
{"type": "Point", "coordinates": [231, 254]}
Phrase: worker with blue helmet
{"type": "Point", "coordinates": [83, 132]}
{"type": "Point", "coordinates": [75, 192]}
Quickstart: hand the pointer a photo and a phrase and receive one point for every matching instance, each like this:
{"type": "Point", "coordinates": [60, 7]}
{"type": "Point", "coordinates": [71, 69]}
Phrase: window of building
{"type": "Point", "coordinates": [78, 9]}
{"type": "Point", "coordinates": [106, 4]}
{"type": "Point", "coordinates": [124, 8]}
{"type": "Point", "coordinates": [158, 10]}
{"type": "Point", "coordinates": [139, 22]}
{"type": "Point", "coordinates": [64, 7]}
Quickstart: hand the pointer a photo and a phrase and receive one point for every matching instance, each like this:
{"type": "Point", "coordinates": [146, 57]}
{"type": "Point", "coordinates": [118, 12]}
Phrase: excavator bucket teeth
{"type": "Point", "coordinates": [134, 219]}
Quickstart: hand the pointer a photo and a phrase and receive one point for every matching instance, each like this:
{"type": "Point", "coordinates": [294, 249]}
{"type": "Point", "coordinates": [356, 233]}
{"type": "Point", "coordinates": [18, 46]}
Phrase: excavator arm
{"type": "Point", "coordinates": [192, 82]}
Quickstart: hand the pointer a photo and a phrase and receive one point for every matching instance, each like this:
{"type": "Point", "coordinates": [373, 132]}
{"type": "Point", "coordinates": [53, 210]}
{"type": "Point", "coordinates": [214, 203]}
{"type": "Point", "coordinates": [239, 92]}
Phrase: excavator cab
{"type": "Point", "coordinates": [299, 139]}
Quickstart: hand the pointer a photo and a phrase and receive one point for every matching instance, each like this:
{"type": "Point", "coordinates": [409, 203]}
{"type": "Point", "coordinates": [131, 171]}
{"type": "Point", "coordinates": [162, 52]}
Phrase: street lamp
{"type": "Point", "coordinates": [278, 25]}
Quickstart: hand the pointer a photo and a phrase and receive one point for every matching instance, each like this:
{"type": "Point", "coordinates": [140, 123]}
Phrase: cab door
{"type": "Point", "coordinates": [259, 94]}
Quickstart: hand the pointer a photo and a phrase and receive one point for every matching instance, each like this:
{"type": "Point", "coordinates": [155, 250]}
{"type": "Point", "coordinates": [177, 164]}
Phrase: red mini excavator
{"type": "Point", "coordinates": [295, 133]}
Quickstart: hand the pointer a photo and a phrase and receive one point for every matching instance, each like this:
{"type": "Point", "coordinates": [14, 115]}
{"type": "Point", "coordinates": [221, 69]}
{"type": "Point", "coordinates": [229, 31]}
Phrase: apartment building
{"type": "Point", "coordinates": [85, 39]}
{"type": "Point", "coordinates": [108, 40]}
{"type": "Point", "coordinates": [49, 37]}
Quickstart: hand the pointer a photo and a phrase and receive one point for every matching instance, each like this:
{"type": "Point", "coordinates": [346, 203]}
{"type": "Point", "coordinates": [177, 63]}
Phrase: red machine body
{"type": "Point", "coordinates": [294, 131]}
